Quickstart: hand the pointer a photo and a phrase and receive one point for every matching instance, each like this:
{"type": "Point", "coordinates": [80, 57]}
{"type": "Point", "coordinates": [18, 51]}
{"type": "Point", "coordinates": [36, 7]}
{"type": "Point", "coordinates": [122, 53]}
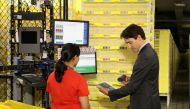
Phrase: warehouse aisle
{"type": "Point", "coordinates": [179, 99]}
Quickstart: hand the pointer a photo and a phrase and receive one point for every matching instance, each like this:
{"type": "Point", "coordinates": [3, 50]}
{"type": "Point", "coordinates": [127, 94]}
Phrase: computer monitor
{"type": "Point", "coordinates": [87, 64]}
{"type": "Point", "coordinates": [29, 39]}
{"type": "Point", "coordinates": [71, 31]}
{"type": "Point", "coordinates": [87, 61]}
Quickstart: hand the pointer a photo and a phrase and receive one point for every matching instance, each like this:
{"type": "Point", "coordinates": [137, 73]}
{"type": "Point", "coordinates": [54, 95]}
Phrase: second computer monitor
{"type": "Point", "coordinates": [71, 31]}
{"type": "Point", "coordinates": [87, 61]}
{"type": "Point", "coordinates": [87, 64]}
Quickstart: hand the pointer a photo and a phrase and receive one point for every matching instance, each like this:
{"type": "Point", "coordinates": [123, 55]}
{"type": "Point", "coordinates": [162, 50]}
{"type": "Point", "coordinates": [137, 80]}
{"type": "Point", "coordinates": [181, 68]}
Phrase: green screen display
{"type": "Point", "coordinates": [86, 64]}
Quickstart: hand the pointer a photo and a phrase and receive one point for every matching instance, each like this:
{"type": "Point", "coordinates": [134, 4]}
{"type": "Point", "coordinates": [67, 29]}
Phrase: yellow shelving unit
{"type": "Point", "coordinates": [108, 18]}
{"type": "Point", "coordinates": [168, 57]}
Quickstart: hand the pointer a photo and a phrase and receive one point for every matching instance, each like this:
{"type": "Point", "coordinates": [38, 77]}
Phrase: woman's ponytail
{"type": "Point", "coordinates": [60, 69]}
{"type": "Point", "coordinates": [68, 52]}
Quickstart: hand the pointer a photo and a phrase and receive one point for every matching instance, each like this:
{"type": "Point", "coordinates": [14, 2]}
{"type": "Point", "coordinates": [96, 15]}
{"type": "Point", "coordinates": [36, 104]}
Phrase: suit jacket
{"type": "Point", "coordinates": [143, 86]}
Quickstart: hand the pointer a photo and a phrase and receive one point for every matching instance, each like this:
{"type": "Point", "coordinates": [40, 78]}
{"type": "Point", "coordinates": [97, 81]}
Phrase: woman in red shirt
{"type": "Point", "coordinates": [67, 88]}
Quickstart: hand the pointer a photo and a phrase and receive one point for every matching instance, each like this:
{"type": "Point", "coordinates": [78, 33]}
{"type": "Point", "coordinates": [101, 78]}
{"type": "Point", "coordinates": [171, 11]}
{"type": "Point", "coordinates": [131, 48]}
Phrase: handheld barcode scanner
{"type": "Point", "coordinates": [122, 78]}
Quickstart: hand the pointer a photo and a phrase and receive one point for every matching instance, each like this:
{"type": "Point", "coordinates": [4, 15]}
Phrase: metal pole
{"type": "Point", "coordinates": [189, 76]}
{"type": "Point", "coordinates": [12, 33]}
{"type": "Point", "coordinates": [65, 9]}
{"type": "Point", "coordinates": [60, 9]}
{"type": "Point", "coordinates": [11, 87]}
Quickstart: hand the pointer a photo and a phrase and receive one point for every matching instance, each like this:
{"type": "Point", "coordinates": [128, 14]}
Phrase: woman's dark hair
{"type": "Point", "coordinates": [69, 51]}
{"type": "Point", "coordinates": [132, 31]}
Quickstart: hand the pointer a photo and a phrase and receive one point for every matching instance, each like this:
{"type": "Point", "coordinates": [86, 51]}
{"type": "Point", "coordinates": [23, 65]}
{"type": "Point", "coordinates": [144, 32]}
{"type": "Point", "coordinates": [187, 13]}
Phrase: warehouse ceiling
{"type": "Point", "coordinates": [174, 15]}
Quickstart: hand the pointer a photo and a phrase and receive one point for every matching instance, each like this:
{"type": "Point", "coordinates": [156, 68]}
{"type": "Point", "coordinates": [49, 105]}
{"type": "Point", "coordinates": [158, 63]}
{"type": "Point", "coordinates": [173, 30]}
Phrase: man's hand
{"type": "Point", "coordinates": [127, 79]}
{"type": "Point", "coordinates": [102, 89]}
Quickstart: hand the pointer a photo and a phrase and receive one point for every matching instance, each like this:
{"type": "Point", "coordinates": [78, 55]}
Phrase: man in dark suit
{"type": "Point", "coordinates": [143, 85]}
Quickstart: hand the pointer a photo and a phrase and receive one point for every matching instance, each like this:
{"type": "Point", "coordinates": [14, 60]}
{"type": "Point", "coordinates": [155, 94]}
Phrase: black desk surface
{"type": "Point", "coordinates": [34, 80]}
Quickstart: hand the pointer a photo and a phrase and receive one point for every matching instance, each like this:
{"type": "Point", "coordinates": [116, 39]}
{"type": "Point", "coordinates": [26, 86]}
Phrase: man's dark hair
{"type": "Point", "coordinates": [132, 31]}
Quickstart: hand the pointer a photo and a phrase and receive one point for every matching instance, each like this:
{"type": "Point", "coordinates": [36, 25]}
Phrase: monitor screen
{"type": "Point", "coordinates": [71, 31]}
{"type": "Point", "coordinates": [29, 37]}
{"type": "Point", "coordinates": [87, 61]}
